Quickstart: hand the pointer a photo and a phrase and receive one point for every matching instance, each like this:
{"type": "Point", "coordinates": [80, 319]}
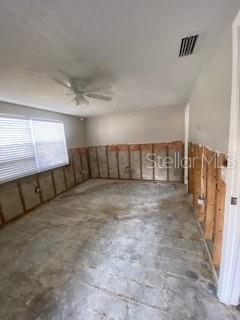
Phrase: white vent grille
{"type": "Point", "coordinates": [188, 45]}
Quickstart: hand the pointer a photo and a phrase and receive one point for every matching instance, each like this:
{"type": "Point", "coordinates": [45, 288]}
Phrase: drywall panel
{"type": "Point", "coordinates": [160, 151]}
{"type": "Point", "coordinates": [175, 155]}
{"type": "Point", "coordinates": [93, 160]}
{"type": "Point", "coordinates": [84, 160]}
{"type": "Point", "coordinates": [59, 180]}
{"type": "Point", "coordinates": [135, 161]}
{"type": "Point", "coordinates": [10, 201]}
{"type": "Point", "coordinates": [77, 165]}
{"type": "Point", "coordinates": [123, 161]}
{"type": "Point", "coordinates": [102, 161]}
{"type": "Point", "coordinates": [74, 127]}
{"type": "Point", "coordinates": [30, 196]}
{"type": "Point", "coordinates": [46, 185]}
{"type": "Point", "coordinates": [163, 124]}
{"type": "Point", "coordinates": [113, 162]}
{"type": "Point", "coordinates": [147, 161]}
{"type": "Point", "coordinates": [210, 100]}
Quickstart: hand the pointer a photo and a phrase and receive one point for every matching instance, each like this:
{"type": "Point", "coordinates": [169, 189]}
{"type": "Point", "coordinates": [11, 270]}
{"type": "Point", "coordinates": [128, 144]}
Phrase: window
{"type": "Point", "coordinates": [28, 146]}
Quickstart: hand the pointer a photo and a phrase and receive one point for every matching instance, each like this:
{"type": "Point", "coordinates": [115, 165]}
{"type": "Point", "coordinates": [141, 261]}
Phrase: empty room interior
{"type": "Point", "coordinates": [119, 160]}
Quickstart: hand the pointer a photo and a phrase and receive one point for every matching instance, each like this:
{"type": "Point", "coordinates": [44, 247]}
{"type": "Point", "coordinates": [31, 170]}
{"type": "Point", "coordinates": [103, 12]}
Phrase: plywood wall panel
{"type": "Point", "coordinates": [102, 161]}
{"type": "Point", "coordinates": [123, 161]}
{"type": "Point", "coordinates": [59, 180]}
{"type": "Point", "coordinates": [175, 155]}
{"type": "Point", "coordinates": [147, 161]}
{"type": "Point", "coordinates": [135, 161]}
{"type": "Point", "coordinates": [30, 196]}
{"type": "Point", "coordinates": [84, 160]}
{"type": "Point", "coordinates": [160, 151]}
{"type": "Point", "coordinates": [93, 160]}
{"type": "Point", "coordinates": [77, 165]}
{"type": "Point", "coordinates": [113, 162]}
{"type": "Point", "coordinates": [46, 186]}
{"type": "Point", "coordinates": [10, 201]}
{"type": "Point", "coordinates": [69, 176]}
{"type": "Point", "coordinates": [190, 168]}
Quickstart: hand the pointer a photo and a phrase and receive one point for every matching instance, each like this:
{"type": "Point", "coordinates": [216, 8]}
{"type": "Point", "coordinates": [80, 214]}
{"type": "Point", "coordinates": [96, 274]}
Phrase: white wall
{"type": "Point", "coordinates": [211, 98]}
{"type": "Point", "coordinates": [74, 127]}
{"type": "Point", "coordinates": [144, 126]}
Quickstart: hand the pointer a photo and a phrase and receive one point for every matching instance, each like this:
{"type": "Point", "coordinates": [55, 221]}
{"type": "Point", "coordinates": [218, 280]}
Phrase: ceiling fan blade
{"type": "Point", "coordinates": [98, 96]}
{"type": "Point", "coordinates": [62, 83]}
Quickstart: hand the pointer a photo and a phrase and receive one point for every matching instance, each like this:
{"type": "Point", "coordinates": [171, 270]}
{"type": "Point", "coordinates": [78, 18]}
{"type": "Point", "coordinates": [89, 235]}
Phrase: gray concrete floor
{"type": "Point", "coordinates": [112, 250]}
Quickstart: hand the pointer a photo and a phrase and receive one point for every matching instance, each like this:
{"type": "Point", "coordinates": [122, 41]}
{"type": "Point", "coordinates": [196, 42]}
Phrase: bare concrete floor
{"type": "Point", "coordinates": [109, 250]}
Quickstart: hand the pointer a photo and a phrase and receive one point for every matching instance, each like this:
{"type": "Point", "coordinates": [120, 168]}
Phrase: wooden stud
{"type": "Point", "coordinates": [190, 168]}
{"type": "Point", "coordinates": [167, 164]}
{"type": "Point", "coordinates": [129, 163]}
{"type": "Point", "coordinates": [40, 191]}
{"type": "Point", "coordinates": [1, 215]}
{"type": "Point", "coordinates": [153, 158]}
{"type": "Point", "coordinates": [54, 186]}
{"type": "Point", "coordinates": [21, 195]}
{"type": "Point", "coordinates": [108, 174]}
{"type": "Point", "coordinates": [140, 148]}
{"type": "Point", "coordinates": [219, 218]}
{"type": "Point", "coordinates": [118, 162]}
{"type": "Point", "coordinates": [96, 148]}
{"type": "Point", "coordinates": [203, 184]}
{"type": "Point", "coordinates": [210, 194]}
{"type": "Point", "coordinates": [73, 164]}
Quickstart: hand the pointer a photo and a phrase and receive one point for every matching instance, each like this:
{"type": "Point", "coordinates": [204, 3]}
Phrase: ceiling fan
{"type": "Point", "coordinates": [82, 90]}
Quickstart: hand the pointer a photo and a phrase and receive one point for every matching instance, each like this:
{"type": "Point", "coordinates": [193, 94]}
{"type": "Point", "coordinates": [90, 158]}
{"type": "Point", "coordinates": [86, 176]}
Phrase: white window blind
{"type": "Point", "coordinates": [50, 145]}
{"type": "Point", "coordinates": [30, 146]}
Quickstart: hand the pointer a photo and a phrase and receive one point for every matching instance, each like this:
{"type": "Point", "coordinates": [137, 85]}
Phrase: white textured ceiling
{"type": "Point", "coordinates": [131, 44]}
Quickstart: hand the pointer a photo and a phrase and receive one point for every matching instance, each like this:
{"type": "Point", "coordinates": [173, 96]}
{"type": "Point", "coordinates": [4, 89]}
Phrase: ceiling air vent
{"type": "Point", "coordinates": [187, 46]}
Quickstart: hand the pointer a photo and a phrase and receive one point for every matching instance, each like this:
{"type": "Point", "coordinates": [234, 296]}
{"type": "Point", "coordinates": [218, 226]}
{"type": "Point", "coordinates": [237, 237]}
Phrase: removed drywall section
{"type": "Point", "coordinates": [113, 162]}
{"type": "Point", "coordinates": [10, 201]}
{"type": "Point", "coordinates": [29, 190]}
{"type": "Point", "coordinates": [211, 98]}
{"type": "Point", "coordinates": [144, 126]}
{"type": "Point", "coordinates": [206, 184]}
{"type": "Point", "coordinates": [45, 182]}
{"type": "Point", "coordinates": [123, 161]}
{"type": "Point", "coordinates": [147, 162]}
{"type": "Point", "coordinates": [59, 180]}
{"type": "Point", "coordinates": [160, 162]}
{"type": "Point", "coordinates": [74, 127]}
{"type": "Point", "coordinates": [20, 196]}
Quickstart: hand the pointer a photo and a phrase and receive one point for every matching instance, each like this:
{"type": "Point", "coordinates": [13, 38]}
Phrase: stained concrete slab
{"type": "Point", "coordinates": [30, 196]}
{"type": "Point", "coordinates": [10, 201]}
{"type": "Point", "coordinates": [46, 185]}
{"type": "Point", "coordinates": [109, 249]}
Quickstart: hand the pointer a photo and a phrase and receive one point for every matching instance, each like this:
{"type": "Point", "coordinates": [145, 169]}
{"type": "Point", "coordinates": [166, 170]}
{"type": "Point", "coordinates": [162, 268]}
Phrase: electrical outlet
{"type": "Point", "coordinates": [201, 201]}
{"type": "Point", "coordinates": [37, 189]}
